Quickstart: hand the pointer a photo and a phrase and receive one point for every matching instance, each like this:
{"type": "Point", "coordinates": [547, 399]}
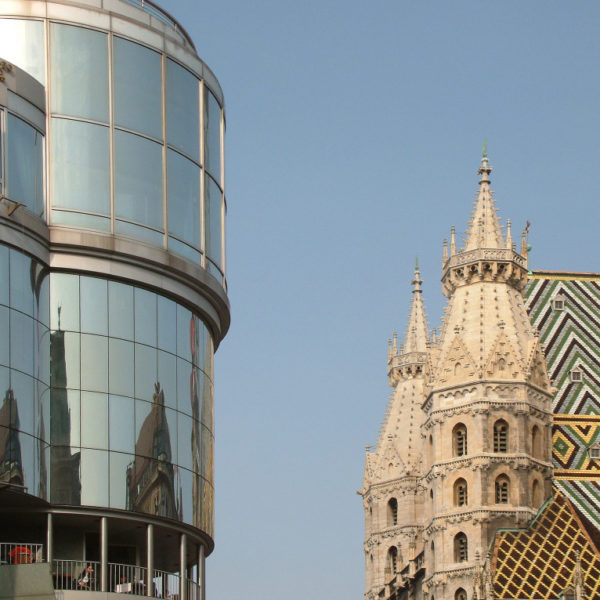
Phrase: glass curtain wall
{"type": "Point", "coordinates": [127, 169]}
{"type": "Point", "coordinates": [106, 394]}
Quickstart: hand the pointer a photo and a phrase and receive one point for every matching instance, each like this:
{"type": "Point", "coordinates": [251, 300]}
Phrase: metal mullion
{"type": "Point", "coordinates": [165, 199]}
{"type": "Point", "coordinates": [202, 133]}
{"type": "Point", "coordinates": [111, 133]}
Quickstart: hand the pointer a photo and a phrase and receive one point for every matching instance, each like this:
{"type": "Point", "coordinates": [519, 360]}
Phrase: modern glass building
{"type": "Point", "coordinates": [112, 295]}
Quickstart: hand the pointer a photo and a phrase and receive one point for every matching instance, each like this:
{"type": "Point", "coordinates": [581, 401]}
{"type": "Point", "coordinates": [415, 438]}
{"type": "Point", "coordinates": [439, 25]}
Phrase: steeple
{"type": "Point", "coordinates": [484, 229]}
{"type": "Point", "coordinates": [416, 331]}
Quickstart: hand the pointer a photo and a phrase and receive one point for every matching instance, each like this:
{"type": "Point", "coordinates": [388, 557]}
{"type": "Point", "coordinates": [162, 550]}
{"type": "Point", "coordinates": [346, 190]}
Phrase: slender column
{"type": "Point", "coordinates": [201, 572]}
{"type": "Point", "coordinates": [182, 561]}
{"type": "Point", "coordinates": [49, 540]}
{"type": "Point", "coordinates": [150, 558]}
{"type": "Point", "coordinates": [103, 554]}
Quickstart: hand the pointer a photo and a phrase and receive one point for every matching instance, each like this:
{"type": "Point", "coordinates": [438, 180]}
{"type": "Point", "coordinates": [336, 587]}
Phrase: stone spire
{"type": "Point", "coordinates": [484, 228]}
{"type": "Point", "coordinates": [416, 331]}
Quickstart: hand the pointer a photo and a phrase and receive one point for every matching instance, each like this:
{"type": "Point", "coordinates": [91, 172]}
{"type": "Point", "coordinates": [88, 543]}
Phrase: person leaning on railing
{"type": "Point", "coordinates": [86, 579]}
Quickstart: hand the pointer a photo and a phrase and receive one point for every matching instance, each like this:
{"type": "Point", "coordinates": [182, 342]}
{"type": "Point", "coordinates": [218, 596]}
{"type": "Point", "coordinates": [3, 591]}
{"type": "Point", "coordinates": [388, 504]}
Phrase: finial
{"type": "Point", "coordinates": [445, 252]}
{"type": "Point", "coordinates": [484, 149]}
{"type": "Point", "coordinates": [417, 281]}
{"type": "Point", "coordinates": [509, 242]}
{"type": "Point", "coordinates": [416, 263]}
{"type": "Point", "coordinates": [395, 343]}
{"type": "Point", "coordinates": [452, 241]}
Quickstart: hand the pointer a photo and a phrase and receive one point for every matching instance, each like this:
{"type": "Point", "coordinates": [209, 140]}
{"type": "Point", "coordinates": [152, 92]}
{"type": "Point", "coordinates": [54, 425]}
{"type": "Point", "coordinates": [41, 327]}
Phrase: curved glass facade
{"type": "Point", "coordinates": [107, 394]}
{"type": "Point", "coordinates": [135, 138]}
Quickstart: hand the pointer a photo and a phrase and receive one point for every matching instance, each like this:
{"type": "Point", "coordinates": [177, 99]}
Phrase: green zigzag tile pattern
{"type": "Point", "coordinates": [571, 340]}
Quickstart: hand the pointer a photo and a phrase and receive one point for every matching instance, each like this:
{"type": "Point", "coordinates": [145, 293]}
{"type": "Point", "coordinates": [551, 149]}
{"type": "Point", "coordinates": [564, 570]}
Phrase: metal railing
{"type": "Point", "coordinates": [15, 553]}
{"type": "Point", "coordinates": [156, 11]}
{"type": "Point", "coordinates": [121, 579]}
{"type": "Point", "coordinates": [76, 575]}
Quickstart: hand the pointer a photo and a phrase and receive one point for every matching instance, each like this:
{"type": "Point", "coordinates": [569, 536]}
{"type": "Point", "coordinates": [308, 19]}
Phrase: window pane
{"type": "Point", "coordinates": [94, 305]}
{"type": "Point", "coordinates": [184, 198]}
{"type": "Point", "coordinates": [22, 417]}
{"type": "Point", "coordinates": [145, 372]}
{"type": "Point", "coordinates": [212, 219]}
{"type": "Point", "coordinates": [137, 79]}
{"type": "Point", "coordinates": [121, 471]}
{"type": "Point", "coordinates": [167, 325]}
{"type": "Point", "coordinates": [22, 44]}
{"type": "Point", "coordinates": [4, 347]}
{"type": "Point", "coordinates": [122, 424]}
{"type": "Point", "coordinates": [145, 317]}
{"type": "Point", "coordinates": [21, 292]}
{"type": "Point", "coordinates": [120, 310]}
{"type": "Point", "coordinates": [167, 369]}
{"type": "Point", "coordinates": [80, 170]}
{"type": "Point", "coordinates": [24, 164]}
{"type": "Point", "coordinates": [64, 360]}
{"type": "Point", "coordinates": [94, 475]}
{"type": "Point", "coordinates": [182, 109]}
{"type": "Point", "coordinates": [94, 420]}
{"type": "Point", "coordinates": [79, 72]}
{"type": "Point", "coordinates": [121, 367]}
{"type": "Point", "coordinates": [212, 135]}
{"type": "Point", "coordinates": [185, 322]}
{"type": "Point", "coordinates": [138, 179]}
{"type": "Point", "coordinates": [64, 302]}
{"type": "Point", "coordinates": [94, 363]}
{"type": "Point", "coordinates": [21, 342]}
{"type": "Point", "coordinates": [4, 289]}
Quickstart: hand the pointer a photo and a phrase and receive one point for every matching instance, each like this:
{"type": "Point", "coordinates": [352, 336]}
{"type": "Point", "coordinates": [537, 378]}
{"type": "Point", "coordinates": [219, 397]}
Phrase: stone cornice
{"type": "Point", "coordinates": [482, 515]}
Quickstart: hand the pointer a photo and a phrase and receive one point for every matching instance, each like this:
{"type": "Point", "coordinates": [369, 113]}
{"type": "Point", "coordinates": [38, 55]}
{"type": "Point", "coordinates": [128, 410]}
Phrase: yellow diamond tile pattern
{"type": "Point", "coordinates": [539, 562]}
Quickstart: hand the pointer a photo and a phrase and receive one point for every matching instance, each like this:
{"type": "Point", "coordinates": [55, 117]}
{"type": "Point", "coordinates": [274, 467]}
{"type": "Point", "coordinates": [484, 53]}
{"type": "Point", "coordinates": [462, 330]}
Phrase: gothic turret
{"type": "Point", "coordinates": [392, 496]}
{"type": "Point", "coordinates": [488, 410]}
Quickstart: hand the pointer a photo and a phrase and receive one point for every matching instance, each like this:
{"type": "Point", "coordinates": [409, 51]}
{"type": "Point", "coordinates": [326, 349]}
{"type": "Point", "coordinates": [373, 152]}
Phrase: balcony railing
{"type": "Point", "coordinates": [121, 579]}
{"type": "Point", "coordinates": [15, 553]}
{"type": "Point", "coordinates": [156, 11]}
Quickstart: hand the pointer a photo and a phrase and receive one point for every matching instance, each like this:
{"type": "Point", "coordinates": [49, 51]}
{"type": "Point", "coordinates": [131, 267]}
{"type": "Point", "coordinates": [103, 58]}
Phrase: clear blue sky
{"type": "Point", "coordinates": [354, 133]}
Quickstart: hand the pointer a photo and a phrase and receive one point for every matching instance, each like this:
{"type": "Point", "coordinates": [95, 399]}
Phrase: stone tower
{"type": "Point", "coordinates": [487, 410]}
{"type": "Point", "coordinates": [392, 491]}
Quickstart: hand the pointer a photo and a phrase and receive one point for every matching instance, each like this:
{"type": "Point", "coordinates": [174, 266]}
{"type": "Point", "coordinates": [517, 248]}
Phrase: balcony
{"type": "Point", "coordinates": [86, 576]}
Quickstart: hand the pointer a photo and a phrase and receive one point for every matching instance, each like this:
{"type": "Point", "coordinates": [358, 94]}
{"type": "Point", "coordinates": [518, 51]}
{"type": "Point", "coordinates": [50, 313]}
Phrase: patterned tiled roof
{"type": "Point", "coordinates": [571, 337]}
{"type": "Point", "coordinates": [540, 562]}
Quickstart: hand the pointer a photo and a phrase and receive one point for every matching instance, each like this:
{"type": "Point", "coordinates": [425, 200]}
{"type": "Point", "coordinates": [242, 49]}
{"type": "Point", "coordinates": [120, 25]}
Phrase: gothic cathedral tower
{"type": "Point", "coordinates": [392, 491]}
{"type": "Point", "coordinates": [488, 412]}
{"type": "Point", "coordinates": [465, 447]}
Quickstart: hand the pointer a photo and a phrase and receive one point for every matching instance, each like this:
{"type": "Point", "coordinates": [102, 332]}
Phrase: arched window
{"type": "Point", "coordinates": [460, 594]}
{"type": "Point", "coordinates": [392, 512]}
{"type": "Point", "coordinates": [461, 549]}
{"type": "Point", "coordinates": [432, 556]}
{"type": "Point", "coordinates": [460, 493]}
{"type": "Point", "coordinates": [502, 489]}
{"type": "Point", "coordinates": [459, 440]}
{"type": "Point", "coordinates": [392, 560]}
{"type": "Point", "coordinates": [501, 436]}
{"type": "Point", "coordinates": [536, 494]}
{"type": "Point", "coordinates": [536, 442]}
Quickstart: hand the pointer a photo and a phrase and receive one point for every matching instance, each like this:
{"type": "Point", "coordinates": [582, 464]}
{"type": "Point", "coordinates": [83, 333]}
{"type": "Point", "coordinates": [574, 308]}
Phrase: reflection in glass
{"type": "Point", "coordinates": [182, 109]}
{"type": "Point", "coordinates": [167, 369]}
{"type": "Point", "coordinates": [120, 307]}
{"type": "Point", "coordinates": [151, 477]}
{"type": "Point", "coordinates": [145, 371]}
{"type": "Point", "coordinates": [184, 386]}
{"type": "Point", "coordinates": [22, 44]}
{"type": "Point", "coordinates": [80, 168]}
{"type": "Point", "coordinates": [120, 466]}
{"type": "Point", "coordinates": [122, 424]}
{"type": "Point", "coordinates": [11, 466]}
{"type": "Point", "coordinates": [79, 76]}
{"type": "Point", "coordinates": [185, 494]}
{"type": "Point", "coordinates": [207, 454]}
{"type": "Point", "coordinates": [79, 219]}
{"type": "Point", "coordinates": [139, 232]}
{"type": "Point", "coordinates": [94, 363]}
{"type": "Point", "coordinates": [64, 302]}
{"type": "Point", "coordinates": [145, 317]}
{"type": "Point", "coordinates": [212, 135]}
{"type": "Point", "coordinates": [213, 207]}
{"type": "Point", "coordinates": [94, 475]}
{"type": "Point", "coordinates": [185, 327]}
{"type": "Point", "coordinates": [207, 415]}
{"type": "Point", "coordinates": [184, 441]}
{"type": "Point", "coordinates": [22, 387]}
{"type": "Point", "coordinates": [94, 305]}
{"type": "Point", "coordinates": [138, 179]}
{"type": "Point", "coordinates": [120, 367]}
{"type": "Point", "coordinates": [137, 80]}
{"type": "Point", "coordinates": [183, 184]}
{"type": "Point", "coordinates": [24, 164]}
{"type": "Point", "coordinates": [21, 342]}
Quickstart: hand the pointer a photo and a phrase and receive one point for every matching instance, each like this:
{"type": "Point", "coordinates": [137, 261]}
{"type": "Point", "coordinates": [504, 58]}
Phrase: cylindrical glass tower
{"type": "Point", "coordinates": [113, 296]}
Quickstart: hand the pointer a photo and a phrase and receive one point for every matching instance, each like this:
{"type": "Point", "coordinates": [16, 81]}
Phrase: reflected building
{"type": "Point", "coordinates": [112, 255]}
